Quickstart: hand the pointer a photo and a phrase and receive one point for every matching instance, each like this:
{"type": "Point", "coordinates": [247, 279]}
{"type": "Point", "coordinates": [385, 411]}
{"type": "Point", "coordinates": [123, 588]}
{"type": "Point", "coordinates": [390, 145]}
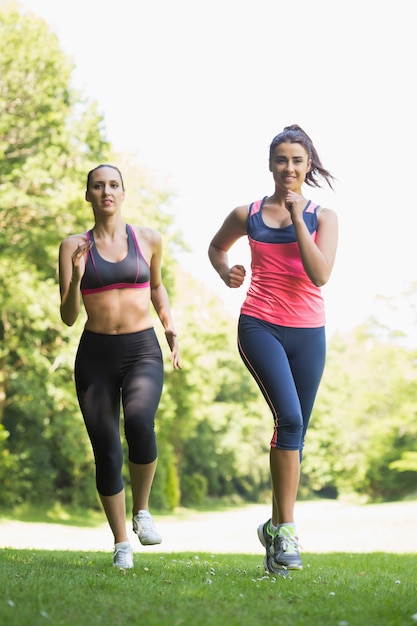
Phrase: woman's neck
{"type": "Point", "coordinates": [109, 228]}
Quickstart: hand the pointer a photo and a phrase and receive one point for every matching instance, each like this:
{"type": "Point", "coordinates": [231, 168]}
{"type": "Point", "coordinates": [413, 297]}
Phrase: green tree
{"type": "Point", "coordinates": [47, 137]}
{"type": "Point", "coordinates": [213, 426]}
{"type": "Point", "coordinates": [364, 420]}
{"type": "Point", "coordinates": [219, 422]}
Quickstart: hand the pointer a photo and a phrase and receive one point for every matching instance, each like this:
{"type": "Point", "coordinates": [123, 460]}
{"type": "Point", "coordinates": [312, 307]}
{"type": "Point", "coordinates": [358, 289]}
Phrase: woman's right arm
{"type": "Point", "coordinates": [71, 270]}
{"type": "Point", "coordinates": [233, 227]}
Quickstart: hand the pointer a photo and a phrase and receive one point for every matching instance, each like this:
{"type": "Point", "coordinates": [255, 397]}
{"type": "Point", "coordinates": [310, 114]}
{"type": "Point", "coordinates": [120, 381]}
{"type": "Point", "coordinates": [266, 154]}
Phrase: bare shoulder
{"type": "Point", "coordinates": [148, 235]}
{"type": "Point", "coordinates": [233, 227]}
{"type": "Point", "coordinates": [327, 215]}
{"type": "Point", "coordinates": [73, 241]}
{"type": "Point", "coordinates": [241, 213]}
{"type": "Point", "coordinates": [238, 218]}
{"type": "Point", "coordinates": [150, 242]}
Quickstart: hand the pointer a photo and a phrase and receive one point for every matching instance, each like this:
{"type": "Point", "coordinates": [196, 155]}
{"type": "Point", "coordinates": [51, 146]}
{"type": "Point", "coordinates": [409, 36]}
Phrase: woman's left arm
{"type": "Point", "coordinates": [317, 256]}
{"type": "Point", "coordinates": [160, 299]}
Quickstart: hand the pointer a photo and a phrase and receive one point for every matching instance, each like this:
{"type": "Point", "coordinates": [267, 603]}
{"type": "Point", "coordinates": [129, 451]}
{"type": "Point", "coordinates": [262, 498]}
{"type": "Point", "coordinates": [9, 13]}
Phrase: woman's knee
{"type": "Point", "coordinates": [288, 432]}
{"type": "Point", "coordinates": [141, 441]}
{"type": "Point", "coordinates": [109, 479]}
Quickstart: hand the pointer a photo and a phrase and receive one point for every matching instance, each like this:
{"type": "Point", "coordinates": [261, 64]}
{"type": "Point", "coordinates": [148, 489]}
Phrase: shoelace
{"type": "Point", "coordinates": [146, 523]}
{"type": "Point", "coordinates": [287, 543]}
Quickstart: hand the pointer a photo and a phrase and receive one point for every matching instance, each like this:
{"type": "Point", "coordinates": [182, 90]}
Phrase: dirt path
{"type": "Point", "coordinates": [324, 526]}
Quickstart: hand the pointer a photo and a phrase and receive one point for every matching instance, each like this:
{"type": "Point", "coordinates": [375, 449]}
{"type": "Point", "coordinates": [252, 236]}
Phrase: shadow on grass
{"type": "Point", "coordinates": [53, 514]}
{"type": "Point", "coordinates": [56, 513]}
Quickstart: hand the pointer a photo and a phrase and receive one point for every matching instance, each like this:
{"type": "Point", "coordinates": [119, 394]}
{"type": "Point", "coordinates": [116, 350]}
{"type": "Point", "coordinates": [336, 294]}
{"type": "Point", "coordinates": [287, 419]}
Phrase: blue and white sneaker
{"type": "Point", "coordinates": [286, 550]}
{"type": "Point", "coordinates": [267, 540]}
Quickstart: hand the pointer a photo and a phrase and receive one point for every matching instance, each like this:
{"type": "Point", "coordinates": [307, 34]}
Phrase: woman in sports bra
{"type": "Point", "coordinates": [281, 332]}
{"type": "Point", "coordinates": [116, 269]}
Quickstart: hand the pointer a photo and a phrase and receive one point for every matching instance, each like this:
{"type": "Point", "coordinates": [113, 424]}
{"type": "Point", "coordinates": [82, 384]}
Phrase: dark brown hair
{"type": "Point", "coordinates": [91, 172]}
{"type": "Point", "coordinates": [295, 134]}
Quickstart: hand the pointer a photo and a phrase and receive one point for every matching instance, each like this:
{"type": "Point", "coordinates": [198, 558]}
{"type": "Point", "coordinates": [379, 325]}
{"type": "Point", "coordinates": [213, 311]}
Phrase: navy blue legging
{"type": "Point", "coordinates": [110, 369]}
{"type": "Point", "coordinates": [287, 364]}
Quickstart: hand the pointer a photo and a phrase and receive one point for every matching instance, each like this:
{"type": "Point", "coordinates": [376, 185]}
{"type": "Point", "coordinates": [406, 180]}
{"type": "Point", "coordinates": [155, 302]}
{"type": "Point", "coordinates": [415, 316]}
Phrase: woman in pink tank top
{"type": "Point", "coordinates": [281, 331]}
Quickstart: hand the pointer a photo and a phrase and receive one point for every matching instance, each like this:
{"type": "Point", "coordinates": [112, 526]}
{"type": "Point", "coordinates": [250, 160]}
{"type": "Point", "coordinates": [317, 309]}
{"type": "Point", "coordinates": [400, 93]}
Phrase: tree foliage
{"type": "Point", "coordinates": [365, 418]}
{"type": "Point", "coordinates": [45, 143]}
{"type": "Point", "coordinates": [213, 426]}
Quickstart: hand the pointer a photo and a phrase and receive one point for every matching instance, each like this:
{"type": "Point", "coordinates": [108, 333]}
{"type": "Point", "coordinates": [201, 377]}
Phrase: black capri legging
{"type": "Point", "coordinates": [110, 368]}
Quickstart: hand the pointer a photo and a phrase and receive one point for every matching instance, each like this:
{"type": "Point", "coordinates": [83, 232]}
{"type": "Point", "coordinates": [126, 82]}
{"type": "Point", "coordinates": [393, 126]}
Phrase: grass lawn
{"type": "Point", "coordinates": [40, 587]}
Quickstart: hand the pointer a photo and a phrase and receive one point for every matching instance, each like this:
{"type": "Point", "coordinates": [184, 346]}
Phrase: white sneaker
{"type": "Point", "coordinates": [123, 555]}
{"type": "Point", "coordinates": [144, 527]}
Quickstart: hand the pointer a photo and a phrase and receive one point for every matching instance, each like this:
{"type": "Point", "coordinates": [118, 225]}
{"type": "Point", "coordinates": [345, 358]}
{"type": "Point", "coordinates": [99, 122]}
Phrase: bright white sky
{"type": "Point", "coordinates": [198, 90]}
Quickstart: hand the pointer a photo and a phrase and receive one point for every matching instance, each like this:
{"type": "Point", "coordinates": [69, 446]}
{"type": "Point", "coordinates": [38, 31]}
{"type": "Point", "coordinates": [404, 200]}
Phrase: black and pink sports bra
{"type": "Point", "coordinates": [132, 272]}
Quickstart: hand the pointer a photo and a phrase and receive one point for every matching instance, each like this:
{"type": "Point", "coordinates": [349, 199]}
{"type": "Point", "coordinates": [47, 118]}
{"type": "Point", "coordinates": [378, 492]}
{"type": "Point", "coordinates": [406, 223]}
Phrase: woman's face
{"type": "Point", "coordinates": [105, 191]}
{"type": "Point", "coordinates": [289, 165]}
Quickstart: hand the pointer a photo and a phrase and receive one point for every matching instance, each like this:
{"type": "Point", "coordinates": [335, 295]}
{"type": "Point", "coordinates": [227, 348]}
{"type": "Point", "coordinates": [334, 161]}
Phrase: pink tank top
{"type": "Point", "coordinates": [280, 292]}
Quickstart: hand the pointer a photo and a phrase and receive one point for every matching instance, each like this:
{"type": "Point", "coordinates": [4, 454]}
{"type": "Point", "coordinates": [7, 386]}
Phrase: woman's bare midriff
{"type": "Point", "coordinates": [119, 311]}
